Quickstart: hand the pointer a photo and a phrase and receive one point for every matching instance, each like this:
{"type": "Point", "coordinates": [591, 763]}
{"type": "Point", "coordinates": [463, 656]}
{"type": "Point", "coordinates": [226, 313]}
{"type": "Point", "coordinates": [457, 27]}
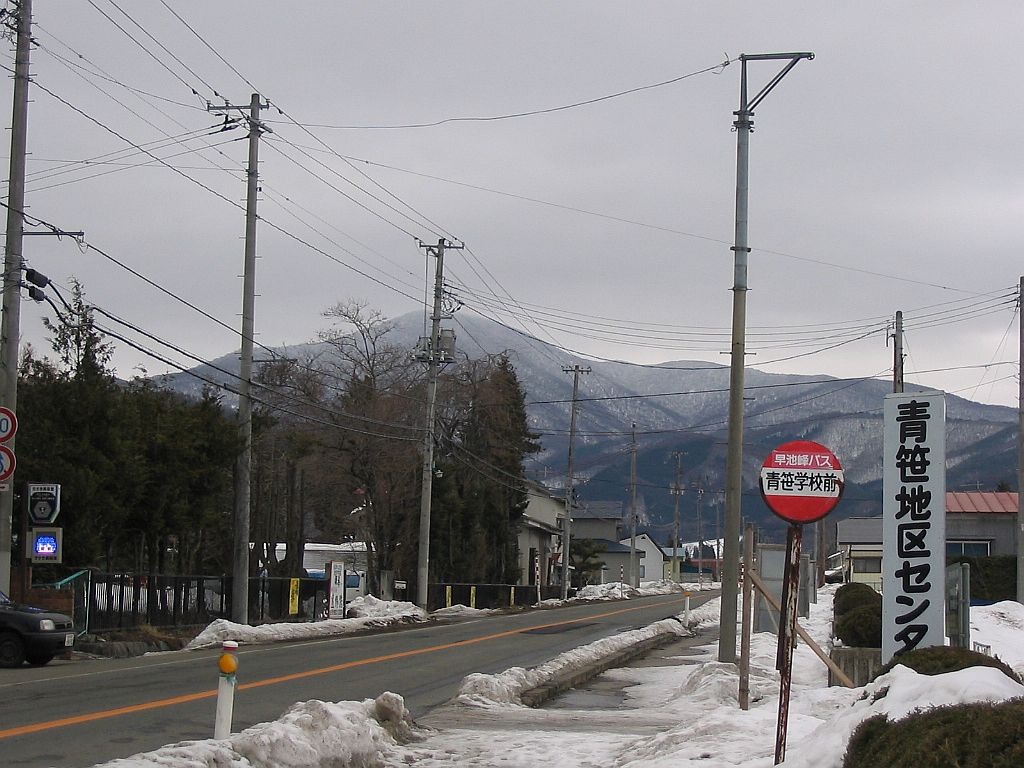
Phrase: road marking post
{"type": "Point", "coordinates": [686, 610]}
{"type": "Point", "coordinates": [228, 665]}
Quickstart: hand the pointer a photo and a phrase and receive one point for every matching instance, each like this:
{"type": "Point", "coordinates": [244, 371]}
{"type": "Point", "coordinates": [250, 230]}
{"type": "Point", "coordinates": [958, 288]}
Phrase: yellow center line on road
{"type": "Point", "coordinates": [190, 697]}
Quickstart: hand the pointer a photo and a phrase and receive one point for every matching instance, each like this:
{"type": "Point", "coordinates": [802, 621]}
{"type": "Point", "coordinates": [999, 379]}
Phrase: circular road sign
{"type": "Point", "coordinates": [801, 481]}
{"type": "Point", "coordinates": [7, 462]}
{"type": "Point", "coordinates": [8, 424]}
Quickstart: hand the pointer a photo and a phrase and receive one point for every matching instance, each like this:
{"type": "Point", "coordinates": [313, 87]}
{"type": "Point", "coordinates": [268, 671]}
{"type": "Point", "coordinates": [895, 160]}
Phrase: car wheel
{"type": "Point", "coordinates": [12, 650]}
{"type": "Point", "coordinates": [39, 659]}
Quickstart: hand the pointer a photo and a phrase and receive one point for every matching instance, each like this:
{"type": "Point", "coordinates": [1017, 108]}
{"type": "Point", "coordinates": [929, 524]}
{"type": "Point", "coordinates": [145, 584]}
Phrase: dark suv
{"type": "Point", "coordinates": [32, 634]}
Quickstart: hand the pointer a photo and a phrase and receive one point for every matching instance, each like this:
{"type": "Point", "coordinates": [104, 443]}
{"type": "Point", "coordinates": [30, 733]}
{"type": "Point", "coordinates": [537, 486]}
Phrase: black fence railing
{"type": "Point", "coordinates": [123, 601]}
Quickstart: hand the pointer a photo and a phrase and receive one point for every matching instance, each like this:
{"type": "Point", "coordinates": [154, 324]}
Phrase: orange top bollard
{"type": "Point", "coordinates": [228, 661]}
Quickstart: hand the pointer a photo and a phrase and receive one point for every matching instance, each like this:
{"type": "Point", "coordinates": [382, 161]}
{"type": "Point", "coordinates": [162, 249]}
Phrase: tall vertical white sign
{"type": "Point", "coordinates": [913, 522]}
{"type": "Point", "coordinates": [336, 589]}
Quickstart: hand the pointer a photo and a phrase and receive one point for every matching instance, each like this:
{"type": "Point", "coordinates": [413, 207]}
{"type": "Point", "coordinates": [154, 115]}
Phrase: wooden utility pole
{"type": "Point", "coordinates": [10, 324]}
{"type": "Point", "coordinates": [700, 537]}
{"type": "Point", "coordinates": [897, 353]}
{"type": "Point", "coordinates": [435, 358]}
{"type": "Point", "coordinates": [1020, 444]}
{"type": "Point", "coordinates": [575, 370]}
{"type": "Point", "coordinates": [243, 466]}
{"type": "Point", "coordinates": [677, 491]}
{"type": "Point", "coordinates": [634, 577]}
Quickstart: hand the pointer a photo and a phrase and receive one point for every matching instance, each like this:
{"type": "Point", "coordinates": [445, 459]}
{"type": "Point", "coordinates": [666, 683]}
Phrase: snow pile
{"type": "Point", "coordinates": [617, 590]}
{"type": "Point", "coordinates": [481, 690]}
{"type": "Point", "coordinates": [310, 734]}
{"type": "Point", "coordinates": [369, 607]}
{"type": "Point", "coordinates": [1001, 627]}
{"type": "Point", "coordinates": [370, 613]}
{"type": "Point", "coordinates": [459, 610]}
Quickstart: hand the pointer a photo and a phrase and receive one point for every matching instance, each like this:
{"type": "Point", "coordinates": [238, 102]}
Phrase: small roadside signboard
{"type": "Point", "coordinates": [43, 502]}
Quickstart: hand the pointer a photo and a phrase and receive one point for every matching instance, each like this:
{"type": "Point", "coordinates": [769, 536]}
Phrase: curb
{"type": "Point", "coordinates": [535, 697]}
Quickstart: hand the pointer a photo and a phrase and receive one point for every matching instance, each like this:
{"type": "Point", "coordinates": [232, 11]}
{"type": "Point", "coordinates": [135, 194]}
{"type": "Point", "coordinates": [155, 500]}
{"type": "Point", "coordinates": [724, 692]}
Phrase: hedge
{"type": "Point", "coordinates": [965, 736]}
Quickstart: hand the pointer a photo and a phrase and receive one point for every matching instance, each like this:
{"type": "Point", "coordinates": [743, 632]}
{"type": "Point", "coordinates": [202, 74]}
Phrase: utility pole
{"type": "Point", "coordinates": [734, 463]}
{"type": "Point", "coordinates": [1020, 443]}
{"type": "Point", "coordinates": [575, 370]}
{"type": "Point", "coordinates": [243, 465]}
{"type": "Point", "coordinates": [700, 536]}
{"type": "Point", "coordinates": [897, 367]}
{"type": "Point", "coordinates": [634, 576]}
{"type": "Point", "coordinates": [10, 324]}
{"type": "Point", "coordinates": [677, 491]}
{"type": "Point", "coordinates": [434, 356]}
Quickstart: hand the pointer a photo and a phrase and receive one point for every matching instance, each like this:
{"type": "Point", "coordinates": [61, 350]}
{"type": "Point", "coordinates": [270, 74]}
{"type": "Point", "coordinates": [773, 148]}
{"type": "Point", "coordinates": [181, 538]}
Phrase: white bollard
{"type": "Point", "coordinates": [686, 610]}
{"type": "Point", "coordinates": [228, 665]}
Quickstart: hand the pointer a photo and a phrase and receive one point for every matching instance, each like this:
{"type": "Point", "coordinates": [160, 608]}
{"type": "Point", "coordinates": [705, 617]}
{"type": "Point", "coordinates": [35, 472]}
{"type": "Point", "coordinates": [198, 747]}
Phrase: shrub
{"type": "Point", "coordinates": [992, 578]}
{"type": "Point", "coordinates": [854, 595]}
{"type": "Point", "coordinates": [861, 627]}
{"type": "Point", "coordinates": [940, 659]}
{"type": "Point", "coordinates": [965, 735]}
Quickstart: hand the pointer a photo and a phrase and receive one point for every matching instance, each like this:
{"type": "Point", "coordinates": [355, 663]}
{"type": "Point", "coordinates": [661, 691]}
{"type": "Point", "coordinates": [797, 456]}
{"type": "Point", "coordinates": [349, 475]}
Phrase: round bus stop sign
{"type": "Point", "coordinates": [801, 481]}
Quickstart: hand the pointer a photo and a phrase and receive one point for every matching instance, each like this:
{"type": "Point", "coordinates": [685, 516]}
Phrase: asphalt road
{"type": "Point", "coordinates": [82, 712]}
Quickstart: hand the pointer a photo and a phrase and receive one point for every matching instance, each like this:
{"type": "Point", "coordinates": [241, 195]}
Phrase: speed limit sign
{"type": "Point", "coordinates": [8, 424]}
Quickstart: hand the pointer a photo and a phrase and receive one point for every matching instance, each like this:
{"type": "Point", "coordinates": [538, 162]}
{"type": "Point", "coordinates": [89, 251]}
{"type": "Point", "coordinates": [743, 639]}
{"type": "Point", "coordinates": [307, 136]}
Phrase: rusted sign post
{"type": "Point", "coordinates": [801, 482]}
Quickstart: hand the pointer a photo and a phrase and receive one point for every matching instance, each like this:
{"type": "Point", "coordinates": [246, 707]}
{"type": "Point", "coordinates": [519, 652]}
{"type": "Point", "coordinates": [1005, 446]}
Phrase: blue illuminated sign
{"type": "Point", "coordinates": [46, 545]}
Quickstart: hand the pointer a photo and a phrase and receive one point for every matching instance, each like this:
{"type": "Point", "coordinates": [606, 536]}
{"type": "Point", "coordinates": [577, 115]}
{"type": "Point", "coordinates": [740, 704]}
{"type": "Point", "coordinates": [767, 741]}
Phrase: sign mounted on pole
{"type": "Point", "coordinates": [8, 424]}
{"type": "Point", "coordinates": [913, 522]}
{"type": "Point", "coordinates": [7, 462]}
{"type": "Point", "coordinates": [43, 502]}
{"type": "Point", "coordinates": [801, 481]}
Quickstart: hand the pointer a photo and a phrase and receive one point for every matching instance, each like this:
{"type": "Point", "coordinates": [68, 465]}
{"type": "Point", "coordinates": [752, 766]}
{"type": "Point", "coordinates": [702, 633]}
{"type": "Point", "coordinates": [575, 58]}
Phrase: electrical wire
{"type": "Point", "coordinates": [530, 113]}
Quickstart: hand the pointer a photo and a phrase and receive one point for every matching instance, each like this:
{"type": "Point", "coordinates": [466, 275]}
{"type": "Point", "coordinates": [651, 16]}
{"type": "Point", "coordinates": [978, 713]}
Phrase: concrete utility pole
{"type": "Point", "coordinates": [677, 491]}
{"type": "Point", "coordinates": [575, 370]}
{"type": "Point", "coordinates": [10, 324]}
{"type": "Point", "coordinates": [700, 535]}
{"type": "Point", "coordinates": [434, 358]}
{"type": "Point", "coordinates": [744, 124]}
{"type": "Point", "coordinates": [1020, 444]}
{"type": "Point", "coordinates": [243, 465]}
{"type": "Point", "coordinates": [634, 576]}
{"type": "Point", "coordinates": [897, 353]}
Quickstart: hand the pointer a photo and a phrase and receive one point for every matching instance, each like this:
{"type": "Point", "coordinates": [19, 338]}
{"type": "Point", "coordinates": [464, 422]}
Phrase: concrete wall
{"type": "Point", "coordinates": [860, 664]}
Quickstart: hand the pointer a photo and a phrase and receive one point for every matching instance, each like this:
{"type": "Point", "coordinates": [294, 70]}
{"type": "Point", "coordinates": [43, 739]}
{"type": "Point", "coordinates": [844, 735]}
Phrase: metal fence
{"type": "Point", "coordinates": [105, 602]}
{"type": "Point", "coordinates": [122, 601]}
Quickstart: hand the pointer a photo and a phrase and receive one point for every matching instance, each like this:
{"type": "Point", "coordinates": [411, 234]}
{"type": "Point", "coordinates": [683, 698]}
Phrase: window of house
{"type": "Point", "coordinates": [867, 565]}
{"type": "Point", "coordinates": [642, 574]}
{"type": "Point", "coordinates": [968, 548]}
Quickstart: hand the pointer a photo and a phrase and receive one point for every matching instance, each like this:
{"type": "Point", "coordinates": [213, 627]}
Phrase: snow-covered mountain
{"type": "Point", "coordinates": [683, 406]}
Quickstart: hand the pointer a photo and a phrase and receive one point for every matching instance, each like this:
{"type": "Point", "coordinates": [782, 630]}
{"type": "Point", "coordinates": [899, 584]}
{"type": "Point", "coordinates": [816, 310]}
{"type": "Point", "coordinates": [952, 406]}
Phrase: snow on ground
{"type": "Point", "coordinates": [368, 611]}
{"type": "Point", "coordinates": [1001, 626]}
{"type": "Point", "coordinates": [506, 687]}
{"type": "Point", "coordinates": [365, 612]}
{"type": "Point", "coordinates": [677, 715]}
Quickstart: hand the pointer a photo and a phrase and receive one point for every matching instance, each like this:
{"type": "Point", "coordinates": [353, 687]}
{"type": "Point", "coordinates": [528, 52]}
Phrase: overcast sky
{"type": "Point", "coordinates": [885, 174]}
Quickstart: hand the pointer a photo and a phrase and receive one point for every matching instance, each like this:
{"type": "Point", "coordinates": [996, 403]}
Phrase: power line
{"type": "Point", "coordinates": [529, 113]}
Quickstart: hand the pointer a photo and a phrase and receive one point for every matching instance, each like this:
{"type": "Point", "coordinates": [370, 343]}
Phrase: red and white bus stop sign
{"type": "Point", "coordinates": [801, 481]}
